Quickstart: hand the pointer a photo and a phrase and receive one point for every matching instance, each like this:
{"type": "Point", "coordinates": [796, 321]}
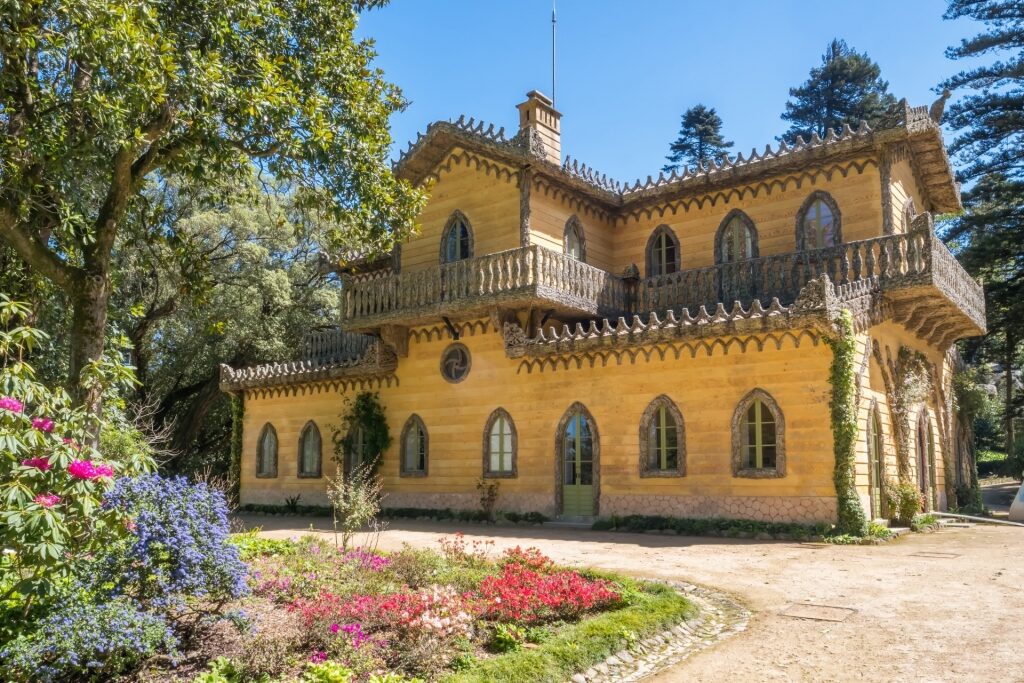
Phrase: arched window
{"type": "Point", "coordinates": [414, 448]}
{"type": "Point", "coordinates": [736, 239]}
{"type": "Point", "coordinates": [266, 452]}
{"type": "Point", "coordinates": [457, 239]}
{"type": "Point", "coordinates": [818, 223]}
{"type": "Point", "coordinates": [310, 451]}
{"type": "Point", "coordinates": [575, 244]}
{"type": "Point", "coordinates": [662, 440]}
{"type": "Point", "coordinates": [500, 445]}
{"type": "Point", "coordinates": [356, 454]}
{"type": "Point", "coordinates": [578, 447]}
{"type": "Point", "coordinates": [662, 252]}
{"type": "Point", "coordinates": [758, 443]}
{"type": "Point", "coordinates": [876, 462]}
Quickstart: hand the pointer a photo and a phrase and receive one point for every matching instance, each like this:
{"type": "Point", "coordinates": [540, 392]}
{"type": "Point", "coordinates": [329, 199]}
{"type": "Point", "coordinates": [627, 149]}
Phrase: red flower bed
{"type": "Point", "coordinates": [520, 594]}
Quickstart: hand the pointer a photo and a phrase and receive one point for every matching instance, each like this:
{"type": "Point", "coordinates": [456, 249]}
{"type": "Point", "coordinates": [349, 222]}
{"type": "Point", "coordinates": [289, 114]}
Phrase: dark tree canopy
{"type": "Point", "coordinates": [846, 89]}
{"type": "Point", "coordinates": [96, 98]}
{"type": "Point", "coordinates": [990, 119]}
{"type": "Point", "coordinates": [700, 139]}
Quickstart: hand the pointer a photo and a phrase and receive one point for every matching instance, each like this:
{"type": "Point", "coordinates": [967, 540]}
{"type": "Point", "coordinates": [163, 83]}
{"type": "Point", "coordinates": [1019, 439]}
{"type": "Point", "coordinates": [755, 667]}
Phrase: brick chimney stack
{"type": "Point", "coordinates": [538, 113]}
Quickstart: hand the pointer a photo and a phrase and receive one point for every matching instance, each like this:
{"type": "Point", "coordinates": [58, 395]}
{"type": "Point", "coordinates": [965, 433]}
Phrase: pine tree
{"type": "Point", "coordinates": [989, 147]}
{"type": "Point", "coordinates": [700, 139]}
{"type": "Point", "coordinates": [846, 88]}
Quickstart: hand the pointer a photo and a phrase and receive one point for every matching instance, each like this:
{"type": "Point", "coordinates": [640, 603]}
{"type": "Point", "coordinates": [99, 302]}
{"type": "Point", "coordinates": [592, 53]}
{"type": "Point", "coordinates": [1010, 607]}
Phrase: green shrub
{"type": "Point", "coordinates": [507, 638]}
{"type": "Point", "coordinates": [903, 500]}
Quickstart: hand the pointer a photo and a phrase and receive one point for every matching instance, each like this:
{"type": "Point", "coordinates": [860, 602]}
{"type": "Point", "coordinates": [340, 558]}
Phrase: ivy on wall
{"type": "Point", "coordinates": [235, 469]}
{"type": "Point", "coordinates": [364, 414]}
{"type": "Point", "coordinates": [843, 405]}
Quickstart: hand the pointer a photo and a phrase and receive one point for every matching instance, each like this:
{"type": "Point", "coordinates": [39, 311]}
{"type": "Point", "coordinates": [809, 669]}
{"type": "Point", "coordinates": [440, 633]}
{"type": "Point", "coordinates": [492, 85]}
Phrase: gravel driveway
{"type": "Point", "coordinates": [944, 606]}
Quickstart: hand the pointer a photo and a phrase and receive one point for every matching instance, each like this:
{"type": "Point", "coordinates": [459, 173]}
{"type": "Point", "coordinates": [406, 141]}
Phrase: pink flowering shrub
{"type": "Point", "coordinates": [522, 595]}
{"type": "Point", "coordinates": [52, 519]}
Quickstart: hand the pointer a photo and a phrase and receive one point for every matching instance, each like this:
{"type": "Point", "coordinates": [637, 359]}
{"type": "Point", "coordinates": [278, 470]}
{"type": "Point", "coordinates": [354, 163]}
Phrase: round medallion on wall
{"type": "Point", "coordinates": [455, 363]}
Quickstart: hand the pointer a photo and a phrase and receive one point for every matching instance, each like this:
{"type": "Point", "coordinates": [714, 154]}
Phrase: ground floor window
{"type": "Point", "coordinates": [414, 448]}
{"type": "Point", "coordinates": [662, 442]}
{"type": "Point", "coordinates": [757, 430]}
{"type": "Point", "coordinates": [500, 445]}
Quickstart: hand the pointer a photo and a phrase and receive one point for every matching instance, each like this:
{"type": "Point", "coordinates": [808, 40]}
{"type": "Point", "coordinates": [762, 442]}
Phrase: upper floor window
{"type": "Point", "coordinates": [662, 440]}
{"type": "Point", "coordinates": [457, 239]}
{"type": "Point", "coordinates": [266, 452]}
{"type": "Point", "coordinates": [757, 433]}
{"type": "Point", "coordinates": [500, 445]}
{"type": "Point", "coordinates": [575, 245]}
{"type": "Point", "coordinates": [736, 239]}
{"type": "Point", "coordinates": [662, 252]}
{"type": "Point", "coordinates": [818, 225]}
{"type": "Point", "coordinates": [310, 452]}
{"type": "Point", "coordinates": [414, 448]}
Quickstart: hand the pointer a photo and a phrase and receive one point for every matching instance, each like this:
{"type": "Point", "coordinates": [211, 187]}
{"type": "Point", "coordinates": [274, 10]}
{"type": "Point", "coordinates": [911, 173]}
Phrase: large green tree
{"type": "Point", "coordinates": [989, 149]}
{"type": "Point", "coordinates": [846, 89]}
{"type": "Point", "coordinates": [229, 280]}
{"type": "Point", "coordinates": [699, 141]}
{"type": "Point", "coordinates": [99, 96]}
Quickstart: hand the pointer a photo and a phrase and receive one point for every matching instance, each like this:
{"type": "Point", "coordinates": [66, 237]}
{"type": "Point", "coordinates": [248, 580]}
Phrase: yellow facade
{"type": "Point", "coordinates": [522, 362]}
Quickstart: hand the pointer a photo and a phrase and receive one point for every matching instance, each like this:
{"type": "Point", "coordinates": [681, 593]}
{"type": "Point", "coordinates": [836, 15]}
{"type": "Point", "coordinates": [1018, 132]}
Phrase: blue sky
{"type": "Point", "coordinates": [627, 71]}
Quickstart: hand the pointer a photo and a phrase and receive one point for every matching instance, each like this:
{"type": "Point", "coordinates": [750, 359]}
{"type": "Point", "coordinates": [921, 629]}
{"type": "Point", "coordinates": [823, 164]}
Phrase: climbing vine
{"type": "Point", "coordinates": [235, 469]}
{"type": "Point", "coordinates": [364, 417]}
{"type": "Point", "coordinates": [850, 518]}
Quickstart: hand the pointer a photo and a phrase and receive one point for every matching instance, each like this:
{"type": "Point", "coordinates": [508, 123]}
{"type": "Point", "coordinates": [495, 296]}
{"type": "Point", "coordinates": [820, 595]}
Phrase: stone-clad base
{"type": "Point", "coordinates": [507, 502]}
{"type": "Point", "coordinates": [804, 509]}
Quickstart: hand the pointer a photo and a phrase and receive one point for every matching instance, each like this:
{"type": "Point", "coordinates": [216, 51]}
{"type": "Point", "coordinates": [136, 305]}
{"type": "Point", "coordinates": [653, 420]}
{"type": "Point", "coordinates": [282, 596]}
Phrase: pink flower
{"type": "Point", "coordinates": [318, 656]}
{"type": "Point", "coordinates": [12, 404]}
{"type": "Point", "coordinates": [43, 424]}
{"type": "Point", "coordinates": [39, 463]}
{"type": "Point", "coordinates": [334, 628]}
{"type": "Point", "coordinates": [47, 500]}
{"type": "Point", "coordinates": [87, 470]}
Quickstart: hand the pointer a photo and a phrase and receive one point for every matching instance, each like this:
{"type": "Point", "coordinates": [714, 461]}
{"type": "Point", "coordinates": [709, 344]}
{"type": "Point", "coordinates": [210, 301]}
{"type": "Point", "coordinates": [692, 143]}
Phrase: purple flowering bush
{"type": "Point", "coordinates": [86, 640]}
{"type": "Point", "coordinates": [177, 555]}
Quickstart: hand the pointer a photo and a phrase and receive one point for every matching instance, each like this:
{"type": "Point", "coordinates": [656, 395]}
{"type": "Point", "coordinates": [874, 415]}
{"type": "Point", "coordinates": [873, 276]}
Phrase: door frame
{"type": "Point", "coordinates": [560, 455]}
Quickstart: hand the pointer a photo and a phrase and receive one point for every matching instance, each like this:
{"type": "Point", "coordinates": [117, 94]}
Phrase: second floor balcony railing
{"type": "Point", "coordinates": [910, 266]}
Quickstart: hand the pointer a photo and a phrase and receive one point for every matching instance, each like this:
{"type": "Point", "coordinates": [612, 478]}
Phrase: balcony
{"type": "Point", "coordinates": [915, 273]}
{"type": "Point", "coordinates": [528, 276]}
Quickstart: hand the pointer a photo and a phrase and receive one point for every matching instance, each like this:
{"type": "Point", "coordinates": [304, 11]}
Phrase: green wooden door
{"type": "Point", "coordinates": [578, 467]}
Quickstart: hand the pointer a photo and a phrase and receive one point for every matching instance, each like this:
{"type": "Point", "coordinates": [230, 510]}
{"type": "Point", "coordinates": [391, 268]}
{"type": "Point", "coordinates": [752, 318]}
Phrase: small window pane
{"type": "Point", "coordinates": [768, 457]}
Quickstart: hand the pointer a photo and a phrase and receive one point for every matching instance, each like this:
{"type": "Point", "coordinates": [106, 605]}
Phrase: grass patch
{"type": "Point", "coordinates": [923, 522]}
{"type": "Point", "coordinates": [576, 647]}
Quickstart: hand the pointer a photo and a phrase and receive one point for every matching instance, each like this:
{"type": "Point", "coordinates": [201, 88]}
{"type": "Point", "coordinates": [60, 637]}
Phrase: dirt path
{"type": "Point", "coordinates": [932, 607]}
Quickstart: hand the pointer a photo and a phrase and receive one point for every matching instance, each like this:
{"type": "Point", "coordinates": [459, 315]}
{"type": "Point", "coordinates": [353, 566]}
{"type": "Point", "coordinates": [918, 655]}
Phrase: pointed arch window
{"type": "Point", "coordinates": [415, 448]}
{"type": "Point", "coordinates": [575, 244]}
{"type": "Point", "coordinates": [818, 223]}
{"type": "Point", "coordinates": [758, 436]}
{"type": "Point", "coordinates": [457, 239]}
{"type": "Point", "coordinates": [500, 444]}
{"type": "Point", "coordinates": [876, 462]}
{"type": "Point", "coordinates": [662, 440]}
{"type": "Point", "coordinates": [662, 252]}
{"type": "Point", "coordinates": [736, 239]}
{"type": "Point", "coordinates": [310, 451]}
{"type": "Point", "coordinates": [266, 452]}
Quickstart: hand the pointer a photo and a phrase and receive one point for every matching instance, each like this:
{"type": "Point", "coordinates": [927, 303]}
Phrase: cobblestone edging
{"type": "Point", "coordinates": [719, 618]}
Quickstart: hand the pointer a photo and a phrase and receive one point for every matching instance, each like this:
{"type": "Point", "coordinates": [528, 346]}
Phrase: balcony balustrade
{"type": "Point", "coordinates": [912, 270]}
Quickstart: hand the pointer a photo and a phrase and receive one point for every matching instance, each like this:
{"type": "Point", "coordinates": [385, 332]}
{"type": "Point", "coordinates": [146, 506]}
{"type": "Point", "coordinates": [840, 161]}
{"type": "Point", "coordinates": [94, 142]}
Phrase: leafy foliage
{"type": "Point", "coordinates": [846, 88]}
{"type": "Point", "coordinates": [700, 139]}
{"type": "Point", "coordinates": [364, 417]}
{"type": "Point", "coordinates": [903, 499]}
{"type": "Point", "coordinates": [355, 498]}
{"type": "Point", "coordinates": [842, 404]}
{"type": "Point", "coordinates": [52, 482]}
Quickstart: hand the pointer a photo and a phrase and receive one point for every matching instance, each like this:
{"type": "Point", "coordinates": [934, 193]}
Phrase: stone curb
{"type": "Point", "coordinates": [720, 617]}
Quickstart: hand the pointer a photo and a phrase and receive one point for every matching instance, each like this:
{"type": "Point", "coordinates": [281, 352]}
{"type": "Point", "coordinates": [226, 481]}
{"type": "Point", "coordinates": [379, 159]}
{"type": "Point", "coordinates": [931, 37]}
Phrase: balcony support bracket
{"type": "Point", "coordinates": [396, 338]}
{"type": "Point", "coordinates": [452, 330]}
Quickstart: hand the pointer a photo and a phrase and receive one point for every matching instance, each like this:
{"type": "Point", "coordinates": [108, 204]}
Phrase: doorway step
{"type": "Point", "coordinates": [572, 522]}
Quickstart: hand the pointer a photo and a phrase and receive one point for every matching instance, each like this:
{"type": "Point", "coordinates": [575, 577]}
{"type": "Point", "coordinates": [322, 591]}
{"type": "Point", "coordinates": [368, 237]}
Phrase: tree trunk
{"type": "Point", "coordinates": [1011, 345]}
{"type": "Point", "coordinates": [88, 333]}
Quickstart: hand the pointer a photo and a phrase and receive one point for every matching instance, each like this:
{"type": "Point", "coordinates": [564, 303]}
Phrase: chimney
{"type": "Point", "coordinates": [538, 114]}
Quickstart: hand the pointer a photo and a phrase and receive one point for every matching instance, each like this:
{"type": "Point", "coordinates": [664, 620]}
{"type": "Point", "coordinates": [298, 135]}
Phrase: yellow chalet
{"type": "Point", "coordinates": [648, 348]}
